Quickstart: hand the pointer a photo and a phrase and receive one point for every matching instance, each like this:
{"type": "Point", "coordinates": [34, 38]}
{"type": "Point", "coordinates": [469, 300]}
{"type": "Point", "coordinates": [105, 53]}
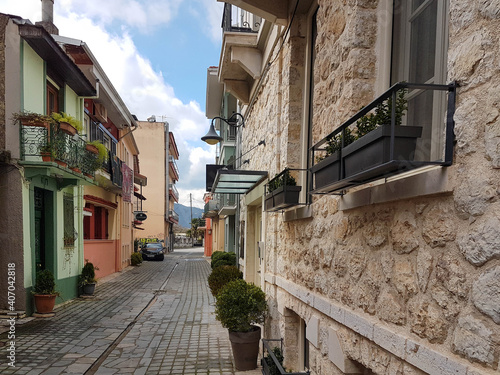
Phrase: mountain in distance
{"type": "Point", "coordinates": [184, 213]}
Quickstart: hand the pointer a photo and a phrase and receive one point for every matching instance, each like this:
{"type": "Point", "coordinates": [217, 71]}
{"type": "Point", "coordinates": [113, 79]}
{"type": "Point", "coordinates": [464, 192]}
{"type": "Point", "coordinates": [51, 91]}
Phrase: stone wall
{"type": "Point", "coordinates": [425, 271]}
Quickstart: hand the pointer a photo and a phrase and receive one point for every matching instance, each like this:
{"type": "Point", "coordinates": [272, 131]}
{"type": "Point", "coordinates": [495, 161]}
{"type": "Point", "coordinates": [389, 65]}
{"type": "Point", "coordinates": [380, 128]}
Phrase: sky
{"type": "Point", "coordinates": [156, 54]}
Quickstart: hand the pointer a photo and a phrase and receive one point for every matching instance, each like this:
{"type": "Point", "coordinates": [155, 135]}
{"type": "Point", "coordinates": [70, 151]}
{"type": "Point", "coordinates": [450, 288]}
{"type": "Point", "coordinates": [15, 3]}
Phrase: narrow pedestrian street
{"type": "Point", "coordinates": [157, 318]}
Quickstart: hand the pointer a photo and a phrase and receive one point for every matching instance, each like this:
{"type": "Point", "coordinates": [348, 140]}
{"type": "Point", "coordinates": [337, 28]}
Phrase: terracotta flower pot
{"type": "Point", "coordinates": [67, 128]}
{"type": "Point", "coordinates": [93, 149]}
{"type": "Point", "coordinates": [45, 303]}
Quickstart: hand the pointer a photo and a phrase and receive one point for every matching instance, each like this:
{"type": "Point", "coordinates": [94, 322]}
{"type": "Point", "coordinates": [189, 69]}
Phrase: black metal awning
{"type": "Point", "coordinates": [231, 181]}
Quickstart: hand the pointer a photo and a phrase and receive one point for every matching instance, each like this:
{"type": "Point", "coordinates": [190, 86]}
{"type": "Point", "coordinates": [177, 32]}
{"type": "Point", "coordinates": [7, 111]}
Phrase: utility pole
{"type": "Point", "coordinates": [191, 205]}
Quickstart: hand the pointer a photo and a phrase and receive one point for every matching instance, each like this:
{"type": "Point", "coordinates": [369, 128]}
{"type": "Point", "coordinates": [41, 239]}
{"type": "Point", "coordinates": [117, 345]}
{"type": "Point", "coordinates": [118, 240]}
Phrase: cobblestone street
{"type": "Point", "coordinates": [154, 319]}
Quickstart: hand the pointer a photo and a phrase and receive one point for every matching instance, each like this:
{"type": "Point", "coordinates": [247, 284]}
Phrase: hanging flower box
{"type": "Point", "coordinates": [283, 192]}
{"type": "Point", "coordinates": [67, 128]}
{"type": "Point", "coordinates": [374, 150]}
{"type": "Point", "coordinates": [91, 148]}
{"type": "Point", "coordinates": [327, 171]}
{"type": "Point", "coordinates": [282, 198]}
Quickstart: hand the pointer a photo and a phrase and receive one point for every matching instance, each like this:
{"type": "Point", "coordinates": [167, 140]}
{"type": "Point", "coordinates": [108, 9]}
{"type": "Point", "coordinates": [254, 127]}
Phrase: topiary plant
{"type": "Point", "coordinates": [136, 259]}
{"type": "Point", "coordinates": [45, 283]}
{"type": "Point", "coordinates": [240, 305]}
{"type": "Point", "coordinates": [220, 276]}
{"type": "Point", "coordinates": [221, 258]}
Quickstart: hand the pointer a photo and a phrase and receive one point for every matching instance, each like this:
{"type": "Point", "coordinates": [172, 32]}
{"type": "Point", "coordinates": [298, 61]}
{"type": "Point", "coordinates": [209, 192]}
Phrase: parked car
{"type": "Point", "coordinates": [153, 251]}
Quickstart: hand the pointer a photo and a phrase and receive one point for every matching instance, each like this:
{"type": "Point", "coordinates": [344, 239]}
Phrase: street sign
{"type": "Point", "coordinates": [141, 216]}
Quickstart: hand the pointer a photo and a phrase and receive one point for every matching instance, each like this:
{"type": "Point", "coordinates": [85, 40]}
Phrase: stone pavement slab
{"type": "Point", "coordinates": [154, 319]}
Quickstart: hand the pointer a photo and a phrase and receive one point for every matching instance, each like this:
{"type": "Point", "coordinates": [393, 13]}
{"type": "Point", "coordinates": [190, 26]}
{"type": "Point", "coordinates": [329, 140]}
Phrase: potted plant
{"type": "Point", "coordinates": [239, 307]}
{"type": "Point", "coordinates": [367, 145]}
{"type": "Point", "coordinates": [44, 292]}
{"type": "Point", "coordinates": [27, 118]}
{"type": "Point", "coordinates": [220, 276]}
{"type": "Point", "coordinates": [283, 192]}
{"type": "Point", "coordinates": [99, 149]}
{"type": "Point", "coordinates": [67, 123]}
{"type": "Point", "coordinates": [47, 152]}
{"type": "Point", "coordinates": [87, 280]}
{"type": "Point", "coordinates": [222, 258]}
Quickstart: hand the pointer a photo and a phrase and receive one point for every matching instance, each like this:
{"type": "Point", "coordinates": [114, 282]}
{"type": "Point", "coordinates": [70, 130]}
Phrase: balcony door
{"type": "Point", "coordinates": [420, 43]}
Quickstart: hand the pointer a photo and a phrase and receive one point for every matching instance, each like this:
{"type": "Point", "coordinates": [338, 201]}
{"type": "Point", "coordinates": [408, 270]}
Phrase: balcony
{"type": "Point", "coordinates": [241, 60]}
{"type": "Point", "coordinates": [173, 216]}
{"type": "Point", "coordinates": [374, 144]}
{"type": "Point", "coordinates": [173, 168]}
{"type": "Point", "coordinates": [49, 147]}
{"type": "Point", "coordinates": [174, 193]}
{"type": "Point", "coordinates": [235, 19]}
{"type": "Point", "coordinates": [227, 204]}
{"type": "Point", "coordinates": [212, 208]}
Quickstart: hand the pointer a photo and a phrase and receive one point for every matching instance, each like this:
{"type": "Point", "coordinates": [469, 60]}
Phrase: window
{"type": "Point", "coordinates": [95, 227]}
{"type": "Point", "coordinates": [420, 41]}
{"type": "Point", "coordinates": [52, 98]}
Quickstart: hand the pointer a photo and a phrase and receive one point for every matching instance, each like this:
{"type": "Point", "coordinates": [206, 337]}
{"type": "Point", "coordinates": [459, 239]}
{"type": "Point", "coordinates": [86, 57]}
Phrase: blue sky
{"type": "Point", "coordinates": [156, 54]}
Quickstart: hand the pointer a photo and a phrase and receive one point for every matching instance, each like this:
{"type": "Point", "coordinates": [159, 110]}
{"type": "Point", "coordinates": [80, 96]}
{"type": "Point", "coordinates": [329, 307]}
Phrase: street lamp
{"type": "Point", "coordinates": [212, 137]}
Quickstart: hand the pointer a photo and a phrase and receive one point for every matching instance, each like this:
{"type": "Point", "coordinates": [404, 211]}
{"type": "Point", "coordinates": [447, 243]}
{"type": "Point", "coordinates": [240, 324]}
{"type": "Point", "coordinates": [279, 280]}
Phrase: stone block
{"type": "Point", "coordinates": [359, 324]}
{"type": "Point", "coordinates": [486, 293]}
{"type": "Point", "coordinates": [389, 340]}
{"type": "Point", "coordinates": [337, 356]}
{"type": "Point", "coordinates": [312, 331]}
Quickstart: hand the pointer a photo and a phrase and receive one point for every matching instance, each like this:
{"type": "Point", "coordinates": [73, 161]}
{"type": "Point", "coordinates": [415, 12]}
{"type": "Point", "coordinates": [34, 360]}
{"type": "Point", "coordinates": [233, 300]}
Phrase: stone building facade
{"type": "Point", "coordinates": [396, 276]}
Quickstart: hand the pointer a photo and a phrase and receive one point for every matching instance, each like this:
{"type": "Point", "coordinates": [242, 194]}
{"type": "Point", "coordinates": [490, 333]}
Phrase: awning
{"type": "Point", "coordinates": [230, 181]}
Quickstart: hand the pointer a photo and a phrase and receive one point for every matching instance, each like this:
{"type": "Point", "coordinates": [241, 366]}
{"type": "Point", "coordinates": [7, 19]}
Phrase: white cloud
{"type": "Point", "coordinates": [145, 16]}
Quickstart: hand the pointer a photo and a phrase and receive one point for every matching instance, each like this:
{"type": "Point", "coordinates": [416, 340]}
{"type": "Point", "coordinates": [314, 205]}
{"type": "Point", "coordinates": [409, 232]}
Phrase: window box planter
{"type": "Point", "coordinates": [91, 148]}
{"type": "Point", "coordinates": [282, 198]}
{"type": "Point", "coordinates": [67, 128]}
{"type": "Point", "coordinates": [327, 171]}
{"type": "Point", "coordinates": [362, 157]}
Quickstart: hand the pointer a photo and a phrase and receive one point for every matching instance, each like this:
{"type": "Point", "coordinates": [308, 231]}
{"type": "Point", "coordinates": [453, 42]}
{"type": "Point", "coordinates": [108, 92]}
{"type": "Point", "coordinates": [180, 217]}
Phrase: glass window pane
{"type": "Point", "coordinates": [420, 114]}
{"type": "Point", "coordinates": [423, 44]}
{"type": "Point", "coordinates": [416, 4]}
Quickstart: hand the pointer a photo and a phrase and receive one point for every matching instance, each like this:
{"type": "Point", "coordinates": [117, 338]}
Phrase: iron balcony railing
{"type": "Point", "coordinates": [360, 159]}
{"type": "Point", "coordinates": [235, 19]}
{"type": "Point", "coordinates": [173, 190]}
{"type": "Point", "coordinates": [173, 165]}
{"type": "Point", "coordinates": [173, 215]}
{"type": "Point", "coordinates": [50, 144]}
{"type": "Point", "coordinates": [271, 364]}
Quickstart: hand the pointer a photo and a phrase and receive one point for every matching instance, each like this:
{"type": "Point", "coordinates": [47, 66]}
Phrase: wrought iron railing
{"type": "Point", "coordinates": [49, 144]}
{"type": "Point", "coordinates": [429, 143]}
{"type": "Point", "coordinates": [271, 361]}
{"type": "Point", "coordinates": [235, 19]}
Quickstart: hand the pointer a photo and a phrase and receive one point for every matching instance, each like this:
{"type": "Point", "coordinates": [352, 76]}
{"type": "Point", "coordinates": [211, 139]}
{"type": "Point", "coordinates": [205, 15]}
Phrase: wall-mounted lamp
{"type": "Point", "coordinates": [213, 138]}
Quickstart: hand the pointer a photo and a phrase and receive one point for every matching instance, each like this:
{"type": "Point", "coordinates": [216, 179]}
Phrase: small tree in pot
{"type": "Point", "coordinates": [87, 279]}
{"type": "Point", "coordinates": [44, 292]}
{"type": "Point", "coordinates": [239, 307]}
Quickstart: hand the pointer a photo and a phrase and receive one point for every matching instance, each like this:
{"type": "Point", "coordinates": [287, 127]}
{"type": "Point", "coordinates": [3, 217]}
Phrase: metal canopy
{"type": "Point", "coordinates": [230, 181]}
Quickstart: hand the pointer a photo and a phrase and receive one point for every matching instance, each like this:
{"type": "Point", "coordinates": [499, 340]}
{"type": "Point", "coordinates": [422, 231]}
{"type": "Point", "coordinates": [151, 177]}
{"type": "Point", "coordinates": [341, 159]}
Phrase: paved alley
{"type": "Point", "coordinates": [154, 319]}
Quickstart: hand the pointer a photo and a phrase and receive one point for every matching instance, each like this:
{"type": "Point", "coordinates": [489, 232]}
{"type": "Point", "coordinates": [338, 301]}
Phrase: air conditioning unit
{"type": "Point", "coordinates": [101, 113]}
